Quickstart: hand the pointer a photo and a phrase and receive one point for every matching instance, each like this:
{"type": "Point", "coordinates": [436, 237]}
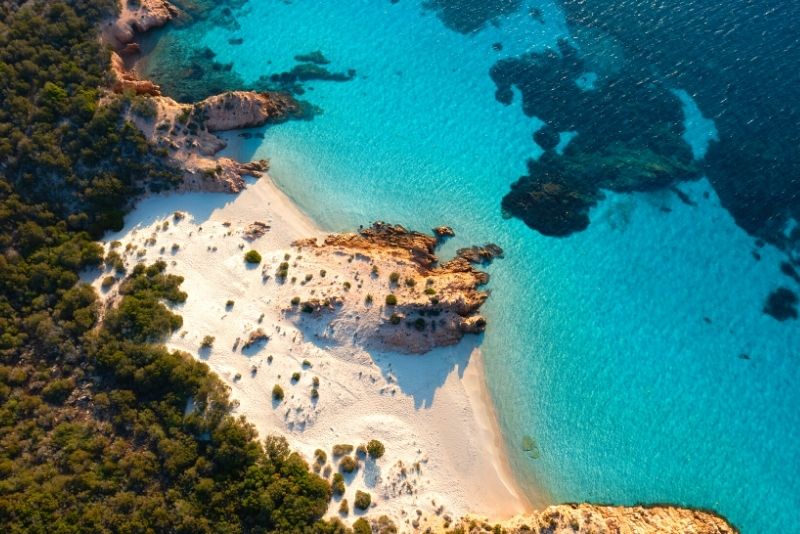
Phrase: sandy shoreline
{"type": "Point", "coordinates": [444, 453]}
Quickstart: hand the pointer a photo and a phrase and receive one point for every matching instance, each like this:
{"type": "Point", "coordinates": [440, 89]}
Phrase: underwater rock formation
{"type": "Point", "coordinates": [782, 304]}
{"type": "Point", "coordinates": [470, 16]}
{"type": "Point", "coordinates": [633, 143]}
{"type": "Point", "coordinates": [739, 65]}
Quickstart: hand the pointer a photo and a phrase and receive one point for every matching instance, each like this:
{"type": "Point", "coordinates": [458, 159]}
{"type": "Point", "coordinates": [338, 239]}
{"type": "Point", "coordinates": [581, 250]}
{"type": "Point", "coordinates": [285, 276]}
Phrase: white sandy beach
{"type": "Point", "coordinates": [444, 454]}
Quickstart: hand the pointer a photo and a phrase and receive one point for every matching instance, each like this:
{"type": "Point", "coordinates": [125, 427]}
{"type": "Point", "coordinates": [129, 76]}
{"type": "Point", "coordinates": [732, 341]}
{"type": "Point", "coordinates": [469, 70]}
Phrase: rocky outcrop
{"type": "Point", "coordinates": [394, 294]}
{"type": "Point", "coordinates": [246, 109]}
{"type": "Point", "coordinates": [570, 518]}
{"type": "Point", "coordinates": [186, 131]}
{"type": "Point", "coordinates": [255, 230]}
{"type": "Point", "coordinates": [127, 80]}
{"type": "Point", "coordinates": [147, 15]}
{"type": "Point", "coordinates": [444, 231]}
{"type": "Point", "coordinates": [479, 255]}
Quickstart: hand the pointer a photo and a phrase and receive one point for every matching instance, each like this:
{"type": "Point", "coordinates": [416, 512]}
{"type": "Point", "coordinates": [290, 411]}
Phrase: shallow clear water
{"type": "Point", "coordinates": [636, 352]}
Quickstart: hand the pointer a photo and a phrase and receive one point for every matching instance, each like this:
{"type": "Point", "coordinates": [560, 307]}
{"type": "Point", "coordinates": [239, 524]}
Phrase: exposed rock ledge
{"type": "Point", "coordinates": [182, 130]}
{"type": "Point", "coordinates": [145, 16]}
{"type": "Point", "coordinates": [245, 109]}
{"type": "Point", "coordinates": [386, 290]}
{"type": "Point", "coordinates": [570, 518]}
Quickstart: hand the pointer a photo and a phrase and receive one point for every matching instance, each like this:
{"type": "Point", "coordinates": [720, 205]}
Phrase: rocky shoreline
{"type": "Point", "coordinates": [433, 304]}
{"type": "Point", "coordinates": [187, 131]}
{"type": "Point", "coordinates": [569, 518]}
{"type": "Point", "coordinates": [404, 298]}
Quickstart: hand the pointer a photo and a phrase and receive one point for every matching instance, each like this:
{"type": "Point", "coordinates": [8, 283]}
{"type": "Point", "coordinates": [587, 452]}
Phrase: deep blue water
{"type": "Point", "coordinates": [635, 352]}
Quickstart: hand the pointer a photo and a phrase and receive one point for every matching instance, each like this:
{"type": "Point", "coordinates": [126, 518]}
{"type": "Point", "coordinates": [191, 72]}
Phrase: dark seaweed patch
{"type": "Point", "coordinates": [629, 138]}
{"type": "Point", "coordinates": [467, 16]}
{"type": "Point", "coordinates": [740, 65]}
{"type": "Point", "coordinates": [782, 304]}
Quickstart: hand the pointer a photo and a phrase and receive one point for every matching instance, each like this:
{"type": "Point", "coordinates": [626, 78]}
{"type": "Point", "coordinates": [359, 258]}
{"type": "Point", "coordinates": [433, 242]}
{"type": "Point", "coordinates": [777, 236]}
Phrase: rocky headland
{"type": "Point", "coordinates": [394, 294]}
{"type": "Point", "coordinates": [380, 288]}
{"type": "Point", "coordinates": [186, 131]}
{"type": "Point", "coordinates": [569, 518]}
{"type": "Point", "coordinates": [137, 18]}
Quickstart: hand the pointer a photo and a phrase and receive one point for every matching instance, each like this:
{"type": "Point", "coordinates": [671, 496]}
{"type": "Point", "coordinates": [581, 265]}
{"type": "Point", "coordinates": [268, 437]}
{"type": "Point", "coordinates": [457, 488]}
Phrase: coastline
{"type": "Point", "coordinates": [460, 395]}
{"type": "Point", "coordinates": [478, 391]}
{"type": "Point", "coordinates": [432, 411]}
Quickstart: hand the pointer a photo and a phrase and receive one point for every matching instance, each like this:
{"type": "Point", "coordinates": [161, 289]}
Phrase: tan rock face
{"type": "Point", "coordinates": [132, 20]}
{"type": "Point", "coordinates": [246, 109]}
{"type": "Point", "coordinates": [571, 518]}
{"type": "Point", "coordinates": [185, 131]}
{"type": "Point", "coordinates": [397, 295]}
{"type": "Point", "coordinates": [125, 79]}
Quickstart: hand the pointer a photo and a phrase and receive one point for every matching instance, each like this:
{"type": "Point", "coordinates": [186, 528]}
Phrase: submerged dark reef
{"type": "Point", "coordinates": [466, 16]}
{"type": "Point", "coordinates": [634, 144]}
{"type": "Point", "coordinates": [190, 73]}
{"type": "Point", "coordinates": [740, 65]}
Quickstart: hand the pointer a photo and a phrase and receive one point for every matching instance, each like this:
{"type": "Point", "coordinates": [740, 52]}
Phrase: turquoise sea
{"type": "Point", "coordinates": [635, 353]}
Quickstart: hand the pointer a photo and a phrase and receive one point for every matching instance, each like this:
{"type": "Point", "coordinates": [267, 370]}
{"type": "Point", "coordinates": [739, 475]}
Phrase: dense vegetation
{"type": "Point", "coordinates": [102, 429]}
{"type": "Point", "coordinates": [57, 143]}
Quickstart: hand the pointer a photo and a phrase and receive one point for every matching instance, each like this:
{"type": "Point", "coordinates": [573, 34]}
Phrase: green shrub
{"type": "Point", "coordinates": [362, 500]}
{"type": "Point", "coordinates": [395, 318]}
{"type": "Point", "coordinates": [394, 277]}
{"type": "Point", "coordinates": [410, 282]}
{"type": "Point", "coordinates": [368, 299]}
{"type": "Point", "coordinates": [252, 257]}
{"type": "Point", "coordinates": [208, 342]}
{"type": "Point", "coordinates": [419, 324]}
{"type": "Point", "coordinates": [283, 270]}
{"type": "Point", "coordinates": [344, 508]}
{"type": "Point", "coordinates": [384, 525]}
{"type": "Point", "coordinates": [361, 526]}
{"type": "Point", "coordinates": [295, 301]}
{"type": "Point", "coordinates": [320, 456]}
{"type": "Point", "coordinates": [322, 273]}
{"type": "Point", "coordinates": [337, 485]}
{"type": "Point", "coordinates": [295, 376]}
{"type": "Point", "coordinates": [107, 282]}
{"type": "Point", "coordinates": [375, 449]}
{"type": "Point", "coordinates": [391, 300]}
{"type": "Point", "coordinates": [342, 449]}
{"type": "Point", "coordinates": [229, 304]}
{"type": "Point", "coordinates": [348, 464]}
{"type": "Point", "coordinates": [144, 107]}
{"type": "Point", "coordinates": [277, 392]}
{"type": "Point", "coordinates": [57, 391]}
{"type": "Point", "coordinates": [430, 291]}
